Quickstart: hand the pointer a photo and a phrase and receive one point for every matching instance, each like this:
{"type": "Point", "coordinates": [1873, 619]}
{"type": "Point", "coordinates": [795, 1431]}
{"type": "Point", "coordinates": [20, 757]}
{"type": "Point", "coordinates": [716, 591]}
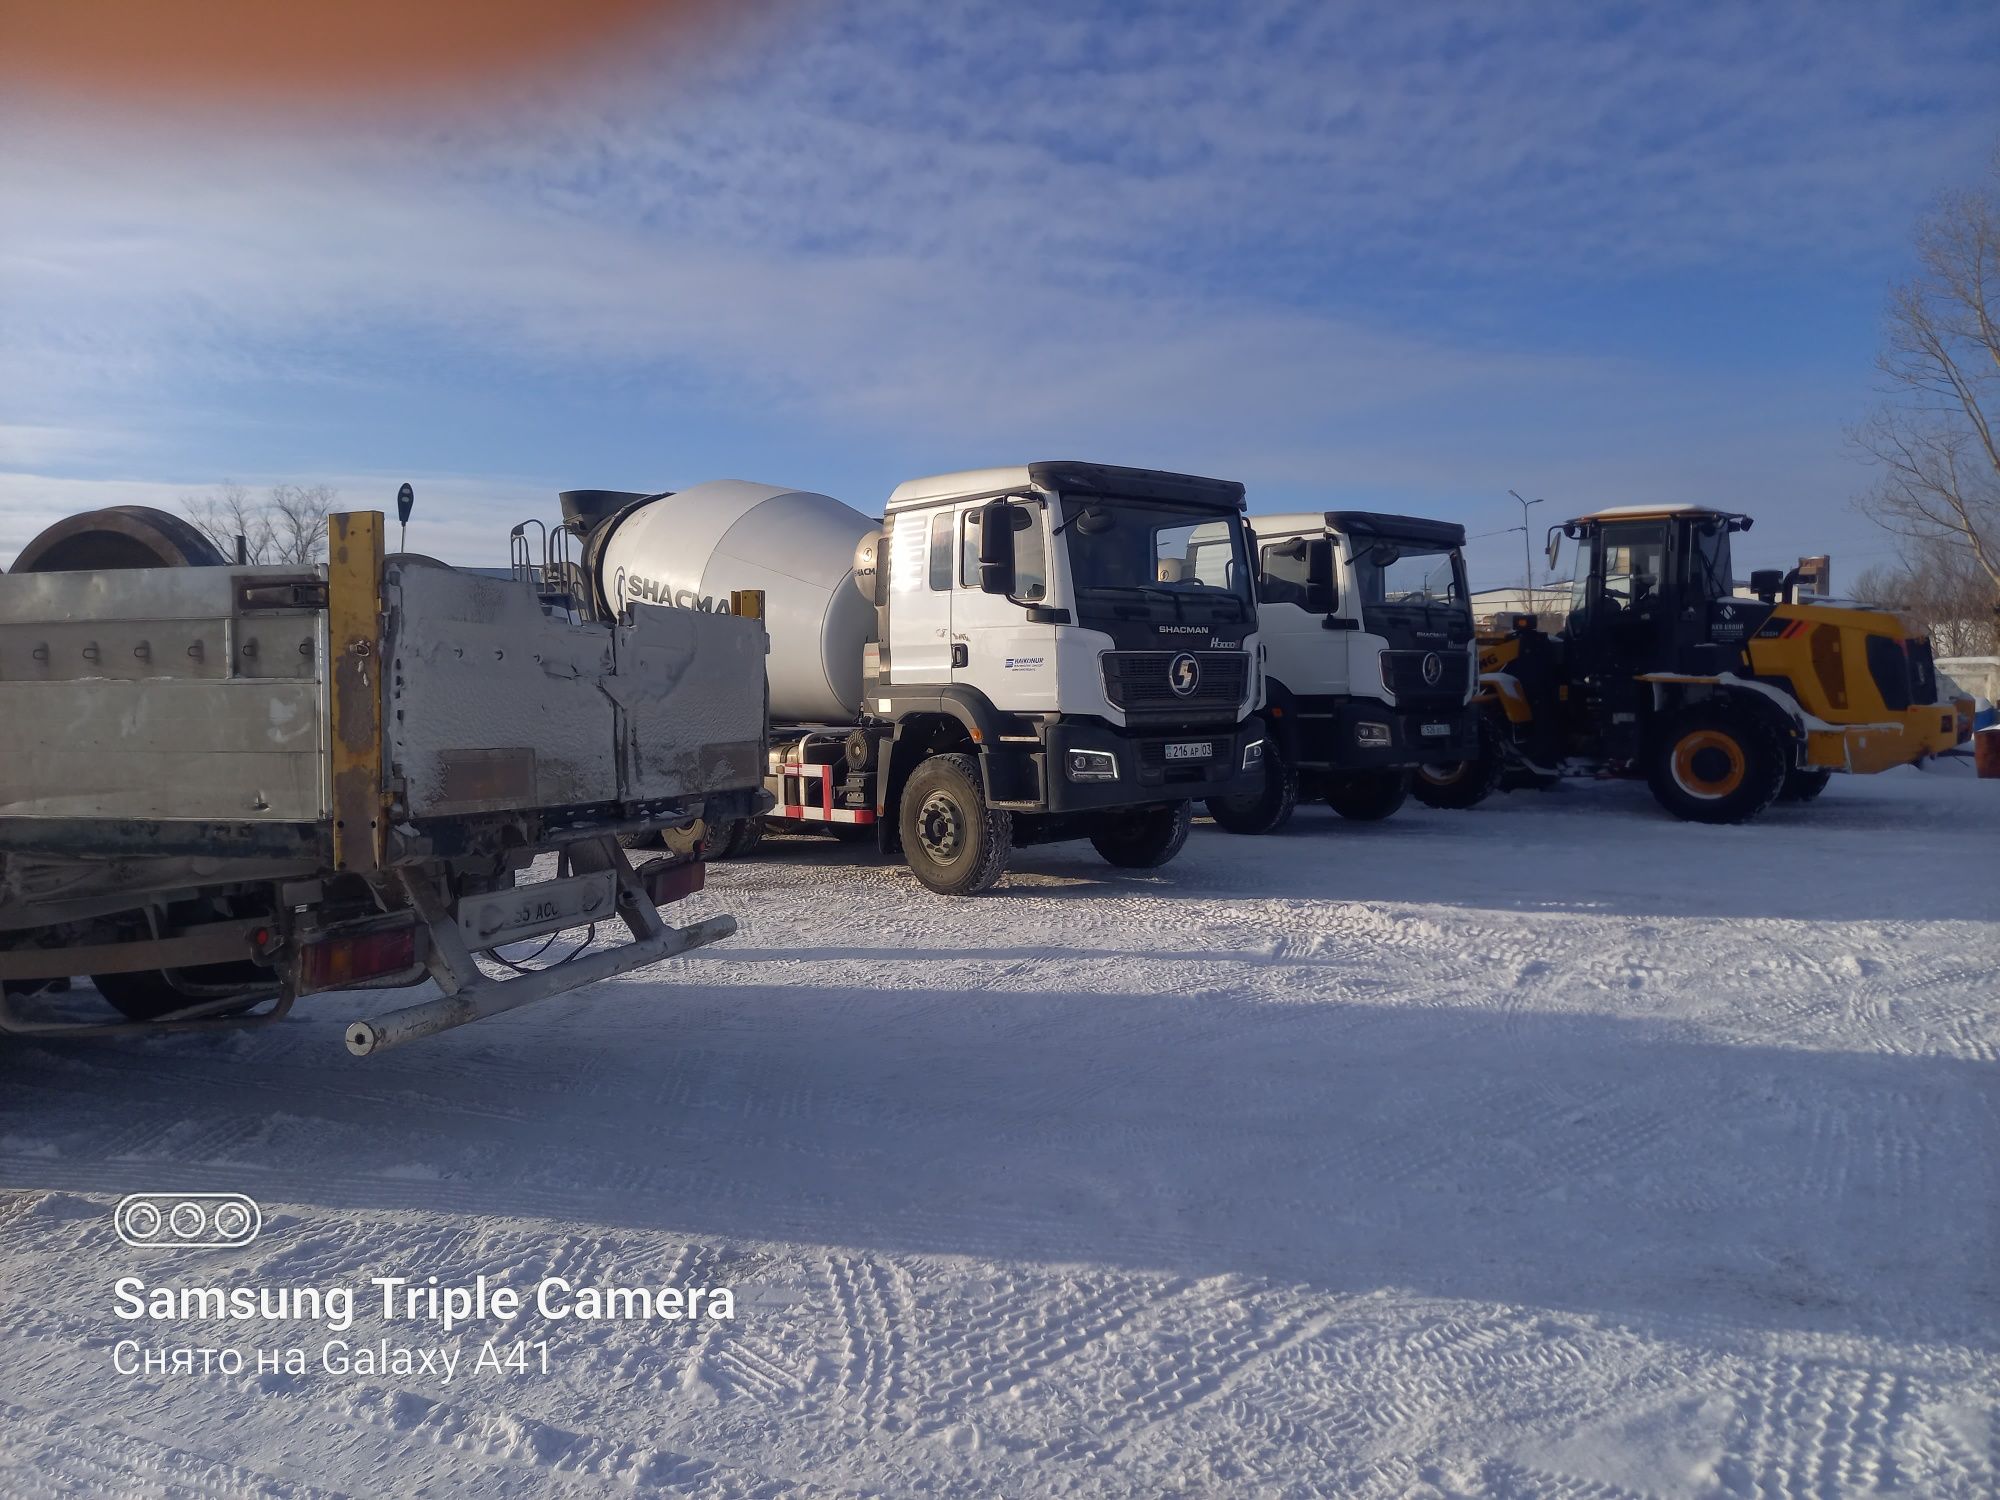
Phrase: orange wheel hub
{"type": "Point", "coordinates": [1708, 763]}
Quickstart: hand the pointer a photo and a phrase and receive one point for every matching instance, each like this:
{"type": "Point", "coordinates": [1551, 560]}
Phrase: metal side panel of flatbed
{"type": "Point", "coordinates": [493, 704]}
{"type": "Point", "coordinates": [163, 693]}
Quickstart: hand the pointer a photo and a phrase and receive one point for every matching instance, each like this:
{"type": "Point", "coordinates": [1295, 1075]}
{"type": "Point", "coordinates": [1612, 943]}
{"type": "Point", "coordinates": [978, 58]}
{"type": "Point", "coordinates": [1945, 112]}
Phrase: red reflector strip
{"type": "Point", "coordinates": [334, 962]}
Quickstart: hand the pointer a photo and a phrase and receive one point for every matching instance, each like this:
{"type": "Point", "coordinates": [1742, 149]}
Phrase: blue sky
{"type": "Point", "coordinates": [1403, 256]}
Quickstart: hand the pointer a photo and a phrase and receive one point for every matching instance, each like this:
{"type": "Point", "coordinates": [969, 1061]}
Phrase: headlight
{"type": "Point", "coordinates": [1253, 754]}
{"type": "Point", "coordinates": [1371, 733]}
{"type": "Point", "coordinates": [1093, 765]}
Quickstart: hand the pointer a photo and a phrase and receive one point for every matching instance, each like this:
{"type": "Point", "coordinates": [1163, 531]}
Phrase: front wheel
{"type": "Point", "coordinates": [954, 842]}
{"type": "Point", "coordinates": [1145, 837]}
{"type": "Point", "coordinates": [1716, 766]}
{"type": "Point", "coordinates": [1367, 796]}
{"type": "Point", "coordinates": [1803, 785]}
{"type": "Point", "coordinates": [1265, 810]}
{"type": "Point", "coordinates": [1463, 783]}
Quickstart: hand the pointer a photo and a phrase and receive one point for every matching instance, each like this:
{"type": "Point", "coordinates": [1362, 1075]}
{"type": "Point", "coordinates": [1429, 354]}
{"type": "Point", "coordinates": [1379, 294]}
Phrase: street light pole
{"type": "Point", "coordinates": [1527, 550]}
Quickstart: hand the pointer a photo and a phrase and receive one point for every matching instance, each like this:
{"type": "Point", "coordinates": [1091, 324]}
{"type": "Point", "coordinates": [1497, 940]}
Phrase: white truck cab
{"type": "Point", "coordinates": [1369, 661]}
{"type": "Point", "coordinates": [1087, 632]}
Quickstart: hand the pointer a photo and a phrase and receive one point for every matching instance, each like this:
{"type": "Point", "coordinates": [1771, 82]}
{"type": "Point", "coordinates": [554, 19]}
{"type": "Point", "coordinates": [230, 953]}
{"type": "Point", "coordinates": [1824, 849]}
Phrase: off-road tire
{"type": "Point", "coordinates": [1367, 796]}
{"type": "Point", "coordinates": [1143, 838]}
{"type": "Point", "coordinates": [953, 842]}
{"type": "Point", "coordinates": [1266, 810]}
{"type": "Point", "coordinates": [712, 837]}
{"type": "Point", "coordinates": [744, 838]}
{"type": "Point", "coordinates": [1463, 783]}
{"type": "Point", "coordinates": [1716, 765]}
{"type": "Point", "coordinates": [1803, 785]}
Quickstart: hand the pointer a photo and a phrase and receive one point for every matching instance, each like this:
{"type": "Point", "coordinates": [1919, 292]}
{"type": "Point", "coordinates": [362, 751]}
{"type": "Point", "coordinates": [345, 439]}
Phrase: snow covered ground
{"type": "Point", "coordinates": [1553, 1149]}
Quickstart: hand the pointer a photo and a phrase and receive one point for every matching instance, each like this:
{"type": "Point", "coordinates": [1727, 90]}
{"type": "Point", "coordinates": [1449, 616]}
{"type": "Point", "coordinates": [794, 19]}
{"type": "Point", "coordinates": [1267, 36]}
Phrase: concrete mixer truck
{"type": "Point", "coordinates": [1010, 656]}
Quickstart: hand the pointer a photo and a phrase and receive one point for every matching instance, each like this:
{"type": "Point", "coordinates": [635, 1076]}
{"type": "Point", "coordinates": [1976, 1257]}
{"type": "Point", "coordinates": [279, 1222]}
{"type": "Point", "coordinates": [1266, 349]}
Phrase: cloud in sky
{"type": "Point", "coordinates": [1417, 253]}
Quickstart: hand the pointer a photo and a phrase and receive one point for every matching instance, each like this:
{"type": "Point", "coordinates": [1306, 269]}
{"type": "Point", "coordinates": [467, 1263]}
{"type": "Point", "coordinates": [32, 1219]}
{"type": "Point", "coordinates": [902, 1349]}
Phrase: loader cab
{"type": "Point", "coordinates": [1649, 583]}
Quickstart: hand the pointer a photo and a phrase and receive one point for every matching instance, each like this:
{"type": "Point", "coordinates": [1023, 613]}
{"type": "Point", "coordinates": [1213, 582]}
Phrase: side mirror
{"type": "Point", "coordinates": [1555, 545]}
{"type": "Point", "coordinates": [1322, 589]}
{"type": "Point", "coordinates": [996, 546]}
{"type": "Point", "coordinates": [1766, 582]}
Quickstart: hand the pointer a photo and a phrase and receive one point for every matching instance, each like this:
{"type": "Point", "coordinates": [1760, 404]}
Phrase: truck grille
{"type": "Point", "coordinates": [1403, 675]}
{"type": "Point", "coordinates": [1143, 682]}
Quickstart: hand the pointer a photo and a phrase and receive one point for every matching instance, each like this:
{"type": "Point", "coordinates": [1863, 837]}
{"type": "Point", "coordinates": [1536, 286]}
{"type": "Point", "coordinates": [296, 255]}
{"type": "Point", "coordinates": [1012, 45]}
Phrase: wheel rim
{"type": "Point", "coordinates": [1708, 764]}
{"type": "Point", "coordinates": [1443, 775]}
{"type": "Point", "coordinates": [940, 827]}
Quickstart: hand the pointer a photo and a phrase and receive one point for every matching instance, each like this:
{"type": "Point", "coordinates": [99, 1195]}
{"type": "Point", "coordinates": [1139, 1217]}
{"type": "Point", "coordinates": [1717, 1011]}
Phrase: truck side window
{"type": "Point", "coordinates": [941, 550]}
{"type": "Point", "coordinates": [1283, 578]}
{"type": "Point", "coordinates": [1031, 567]}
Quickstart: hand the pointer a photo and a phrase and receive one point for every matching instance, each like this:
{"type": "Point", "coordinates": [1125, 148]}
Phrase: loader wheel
{"type": "Point", "coordinates": [1144, 838]}
{"type": "Point", "coordinates": [744, 838]}
{"type": "Point", "coordinates": [1463, 783]}
{"type": "Point", "coordinates": [1367, 796]}
{"type": "Point", "coordinates": [953, 842]}
{"type": "Point", "coordinates": [1263, 811]}
{"type": "Point", "coordinates": [645, 838]}
{"type": "Point", "coordinates": [1715, 766]}
{"type": "Point", "coordinates": [1803, 785]}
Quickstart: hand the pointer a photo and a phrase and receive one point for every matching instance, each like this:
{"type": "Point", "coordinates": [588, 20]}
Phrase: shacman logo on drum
{"type": "Point", "coordinates": [187, 1221]}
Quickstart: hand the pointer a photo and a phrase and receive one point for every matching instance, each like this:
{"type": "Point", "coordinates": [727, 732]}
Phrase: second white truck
{"type": "Point", "coordinates": [1369, 662]}
{"type": "Point", "coordinates": [1011, 656]}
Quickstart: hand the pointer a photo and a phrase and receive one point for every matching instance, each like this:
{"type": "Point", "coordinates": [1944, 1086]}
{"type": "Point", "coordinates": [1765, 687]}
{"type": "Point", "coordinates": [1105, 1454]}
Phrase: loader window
{"type": "Point", "coordinates": [1708, 563]}
{"type": "Point", "coordinates": [1632, 561]}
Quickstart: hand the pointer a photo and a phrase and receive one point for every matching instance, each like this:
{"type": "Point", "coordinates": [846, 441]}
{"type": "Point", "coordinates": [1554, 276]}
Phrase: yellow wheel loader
{"type": "Point", "coordinates": [1723, 704]}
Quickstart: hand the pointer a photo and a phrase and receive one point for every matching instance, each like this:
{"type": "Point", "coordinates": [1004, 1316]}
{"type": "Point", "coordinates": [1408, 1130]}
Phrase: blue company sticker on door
{"type": "Point", "coordinates": [1025, 663]}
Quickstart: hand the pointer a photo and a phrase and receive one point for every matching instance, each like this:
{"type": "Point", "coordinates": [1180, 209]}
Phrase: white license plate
{"type": "Point", "coordinates": [1439, 730]}
{"type": "Point", "coordinates": [1191, 750]}
{"type": "Point", "coordinates": [531, 910]}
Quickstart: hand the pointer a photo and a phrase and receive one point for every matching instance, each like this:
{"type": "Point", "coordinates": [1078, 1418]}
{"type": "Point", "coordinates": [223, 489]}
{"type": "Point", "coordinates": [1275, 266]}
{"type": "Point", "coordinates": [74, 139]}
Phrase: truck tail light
{"type": "Point", "coordinates": [340, 960]}
{"type": "Point", "coordinates": [666, 882]}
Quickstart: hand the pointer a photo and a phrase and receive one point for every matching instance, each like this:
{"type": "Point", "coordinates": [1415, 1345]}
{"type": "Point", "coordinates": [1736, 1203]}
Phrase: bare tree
{"type": "Point", "coordinates": [1941, 591]}
{"type": "Point", "coordinates": [1934, 438]}
{"type": "Point", "coordinates": [298, 521]}
{"type": "Point", "coordinates": [288, 526]}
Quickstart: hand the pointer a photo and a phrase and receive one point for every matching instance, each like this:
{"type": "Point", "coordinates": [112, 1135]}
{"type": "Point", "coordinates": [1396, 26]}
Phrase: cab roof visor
{"type": "Point", "coordinates": [1375, 523]}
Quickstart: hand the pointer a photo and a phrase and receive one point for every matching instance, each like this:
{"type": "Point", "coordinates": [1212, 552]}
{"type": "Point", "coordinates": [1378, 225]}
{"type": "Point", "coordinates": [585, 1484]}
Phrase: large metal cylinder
{"type": "Point", "coordinates": [693, 547]}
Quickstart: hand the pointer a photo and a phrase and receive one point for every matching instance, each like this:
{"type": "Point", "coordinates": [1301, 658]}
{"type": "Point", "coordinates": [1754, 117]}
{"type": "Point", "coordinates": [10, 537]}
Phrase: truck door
{"type": "Point", "coordinates": [1300, 651]}
{"type": "Point", "coordinates": [995, 647]}
{"type": "Point", "coordinates": [922, 567]}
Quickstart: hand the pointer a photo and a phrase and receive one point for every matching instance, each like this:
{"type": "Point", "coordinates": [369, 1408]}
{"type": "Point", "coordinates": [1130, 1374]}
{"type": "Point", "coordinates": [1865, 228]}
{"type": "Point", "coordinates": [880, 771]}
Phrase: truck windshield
{"type": "Point", "coordinates": [1408, 580]}
{"type": "Point", "coordinates": [1149, 560]}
